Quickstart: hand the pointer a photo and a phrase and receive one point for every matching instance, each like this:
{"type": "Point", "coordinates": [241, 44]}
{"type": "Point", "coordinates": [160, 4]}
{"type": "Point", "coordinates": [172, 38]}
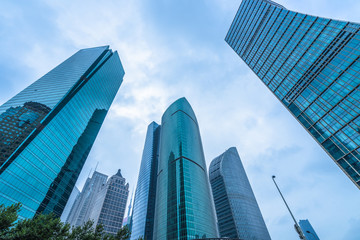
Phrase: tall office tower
{"type": "Point", "coordinates": [75, 194]}
{"type": "Point", "coordinates": [127, 219]}
{"type": "Point", "coordinates": [184, 206]}
{"type": "Point", "coordinates": [85, 203]}
{"type": "Point", "coordinates": [308, 230]}
{"type": "Point", "coordinates": [312, 66]}
{"type": "Point", "coordinates": [110, 203]}
{"type": "Point", "coordinates": [237, 211]}
{"type": "Point", "coordinates": [142, 219]}
{"type": "Point", "coordinates": [47, 130]}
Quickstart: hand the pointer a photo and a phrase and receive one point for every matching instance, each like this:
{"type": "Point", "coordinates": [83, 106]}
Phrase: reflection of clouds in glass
{"type": "Point", "coordinates": [50, 159]}
{"type": "Point", "coordinates": [16, 123]}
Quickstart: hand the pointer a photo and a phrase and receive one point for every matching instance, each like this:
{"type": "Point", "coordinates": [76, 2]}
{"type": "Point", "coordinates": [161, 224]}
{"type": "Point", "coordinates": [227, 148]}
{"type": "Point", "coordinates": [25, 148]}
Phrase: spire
{"type": "Point", "coordinates": [119, 173]}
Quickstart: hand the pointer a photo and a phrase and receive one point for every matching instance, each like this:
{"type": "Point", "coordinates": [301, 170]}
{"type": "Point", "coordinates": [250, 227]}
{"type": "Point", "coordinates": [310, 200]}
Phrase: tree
{"type": "Point", "coordinates": [123, 234]}
{"type": "Point", "coordinates": [39, 227]}
{"type": "Point", "coordinates": [50, 227]}
{"type": "Point", "coordinates": [8, 215]}
{"type": "Point", "coordinates": [87, 232]}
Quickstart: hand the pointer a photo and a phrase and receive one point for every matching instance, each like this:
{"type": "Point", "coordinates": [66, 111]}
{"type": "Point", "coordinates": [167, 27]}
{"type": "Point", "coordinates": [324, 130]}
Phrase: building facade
{"type": "Point", "coordinates": [75, 194]}
{"type": "Point", "coordinates": [308, 230]}
{"type": "Point", "coordinates": [312, 66]}
{"type": "Point", "coordinates": [87, 200]}
{"type": "Point", "coordinates": [184, 206]}
{"type": "Point", "coordinates": [142, 220]}
{"type": "Point", "coordinates": [238, 213]}
{"type": "Point", "coordinates": [110, 204]}
{"type": "Point", "coordinates": [47, 130]}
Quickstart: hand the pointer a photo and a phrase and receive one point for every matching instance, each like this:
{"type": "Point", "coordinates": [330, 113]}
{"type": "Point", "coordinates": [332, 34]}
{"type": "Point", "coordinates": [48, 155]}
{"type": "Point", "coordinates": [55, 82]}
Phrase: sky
{"type": "Point", "coordinates": [172, 49]}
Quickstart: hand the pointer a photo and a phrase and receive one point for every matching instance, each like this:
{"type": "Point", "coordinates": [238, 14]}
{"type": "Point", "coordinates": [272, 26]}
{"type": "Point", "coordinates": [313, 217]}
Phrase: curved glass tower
{"type": "Point", "coordinates": [184, 206]}
{"type": "Point", "coordinates": [48, 129]}
{"type": "Point", "coordinates": [312, 65]}
{"type": "Point", "coordinates": [237, 211]}
{"type": "Point", "coordinates": [142, 219]}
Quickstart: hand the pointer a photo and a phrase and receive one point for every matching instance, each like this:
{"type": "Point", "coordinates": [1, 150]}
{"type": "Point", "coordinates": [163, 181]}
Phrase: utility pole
{"type": "Point", "coordinates": [296, 225]}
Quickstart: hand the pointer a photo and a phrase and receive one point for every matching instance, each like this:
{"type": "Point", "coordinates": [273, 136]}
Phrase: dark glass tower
{"type": "Point", "coordinates": [142, 223]}
{"type": "Point", "coordinates": [312, 66]}
{"type": "Point", "coordinates": [237, 211]}
{"type": "Point", "coordinates": [184, 206]}
{"type": "Point", "coordinates": [47, 130]}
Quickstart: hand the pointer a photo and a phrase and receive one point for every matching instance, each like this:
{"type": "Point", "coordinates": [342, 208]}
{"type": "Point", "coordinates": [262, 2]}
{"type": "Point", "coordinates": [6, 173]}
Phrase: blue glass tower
{"type": "Point", "coordinates": [47, 130]}
{"type": "Point", "coordinates": [184, 206]}
{"type": "Point", "coordinates": [142, 223]}
{"type": "Point", "coordinates": [237, 211]}
{"type": "Point", "coordinates": [308, 230]}
{"type": "Point", "coordinates": [312, 65]}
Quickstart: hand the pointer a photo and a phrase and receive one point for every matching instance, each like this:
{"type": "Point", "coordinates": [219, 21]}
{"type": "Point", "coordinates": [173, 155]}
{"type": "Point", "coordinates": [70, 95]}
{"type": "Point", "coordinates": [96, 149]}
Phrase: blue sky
{"type": "Point", "coordinates": [172, 49]}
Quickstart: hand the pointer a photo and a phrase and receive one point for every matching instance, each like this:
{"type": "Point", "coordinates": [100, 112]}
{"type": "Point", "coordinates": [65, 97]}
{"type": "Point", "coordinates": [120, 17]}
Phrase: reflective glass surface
{"type": "Point", "coordinates": [184, 206]}
{"type": "Point", "coordinates": [237, 211]}
{"type": "Point", "coordinates": [142, 224]}
{"type": "Point", "coordinates": [312, 65]}
{"type": "Point", "coordinates": [308, 230]}
{"type": "Point", "coordinates": [68, 106]}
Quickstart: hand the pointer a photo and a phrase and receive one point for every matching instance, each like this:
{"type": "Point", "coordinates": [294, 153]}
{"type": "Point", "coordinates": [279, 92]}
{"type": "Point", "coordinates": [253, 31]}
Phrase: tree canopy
{"type": "Point", "coordinates": [47, 226]}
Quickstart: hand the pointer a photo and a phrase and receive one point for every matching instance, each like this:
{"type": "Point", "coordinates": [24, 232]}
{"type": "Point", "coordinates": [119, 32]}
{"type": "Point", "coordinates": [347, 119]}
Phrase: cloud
{"type": "Point", "coordinates": [167, 55]}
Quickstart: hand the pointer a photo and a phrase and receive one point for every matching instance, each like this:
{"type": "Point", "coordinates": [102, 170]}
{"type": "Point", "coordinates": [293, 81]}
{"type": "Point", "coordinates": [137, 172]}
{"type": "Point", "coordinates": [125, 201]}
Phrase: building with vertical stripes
{"type": "Point", "coordinates": [237, 211]}
{"type": "Point", "coordinates": [312, 65]}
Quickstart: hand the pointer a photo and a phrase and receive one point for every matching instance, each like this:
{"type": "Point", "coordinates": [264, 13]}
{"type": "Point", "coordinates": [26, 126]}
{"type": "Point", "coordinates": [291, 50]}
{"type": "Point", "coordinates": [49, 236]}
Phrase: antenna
{"type": "Point", "coordinates": [96, 166]}
{"type": "Point", "coordinates": [90, 172]}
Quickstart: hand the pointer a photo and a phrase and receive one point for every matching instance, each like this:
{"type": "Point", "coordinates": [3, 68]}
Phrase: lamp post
{"type": "Point", "coordinates": [296, 225]}
{"type": "Point", "coordinates": [316, 238]}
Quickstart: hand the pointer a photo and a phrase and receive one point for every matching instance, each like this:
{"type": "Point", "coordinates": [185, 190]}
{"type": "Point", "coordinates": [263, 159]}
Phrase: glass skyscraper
{"type": "Point", "coordinates": [308, 230]}
{"type": "Point", "coordinates": [85, 203]}
{"type": "Point", "coordinates": [102, 201]}
{"type": "Point", "coordinates": [142, 220]}
{"type": "Point", "coordinates": [110, 203]}
{"type": "Point", "coordinates": [75, 194]}
{"type": "Point", "coordinates": [47, 130]}
{"type": "Point", "coordinates": [312, 65]}
{"type": "Point", "coordinates": [237, 211]}
{"type": "Point", "coordinates": [184, 206]}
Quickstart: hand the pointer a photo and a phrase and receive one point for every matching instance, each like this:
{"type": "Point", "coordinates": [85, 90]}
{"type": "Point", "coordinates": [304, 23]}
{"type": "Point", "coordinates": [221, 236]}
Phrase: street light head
{"type": "Point", "coordinates": [273, 176]}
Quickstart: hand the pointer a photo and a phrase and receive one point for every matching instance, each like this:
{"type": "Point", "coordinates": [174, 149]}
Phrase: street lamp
{"type": "Point", "coordinates": [296, 225]}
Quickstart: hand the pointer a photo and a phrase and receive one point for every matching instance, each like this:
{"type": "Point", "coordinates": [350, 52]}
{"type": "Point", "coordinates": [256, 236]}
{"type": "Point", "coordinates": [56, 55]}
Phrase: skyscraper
{"type": "Point", "coordinates": [184, 207]}
{"type": "Point", "coordinates": [127, 219]}
{"type": "Point", "coordinates": [308, 230]}
{"type": "Point", "coordinates": [47, 130]}
{"type": "Point", "coordinates": [85, 203]}
{"type": "Point", "coordinates": [110, 203]}
{"type": "Point", "coordinates": [142, 220]}
{"type": "Point", "coordinates": [75, 194]}
{"type": "Point", "coordinates": [312, 65]}
{"type": "Point", "coordinates": [237, 211]}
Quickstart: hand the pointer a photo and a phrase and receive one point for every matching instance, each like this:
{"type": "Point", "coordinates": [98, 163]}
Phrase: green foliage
{"type": "Point", "coordinates": [40, 227]}
{"type": "Point", "coordinates": [51, 228]}
{"type": "Point", "coordinates": [123, 234]}
{"type": "Point", "coordinates": [87, 232]}
{"type": "Point", "coordinates": [8, 215]}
